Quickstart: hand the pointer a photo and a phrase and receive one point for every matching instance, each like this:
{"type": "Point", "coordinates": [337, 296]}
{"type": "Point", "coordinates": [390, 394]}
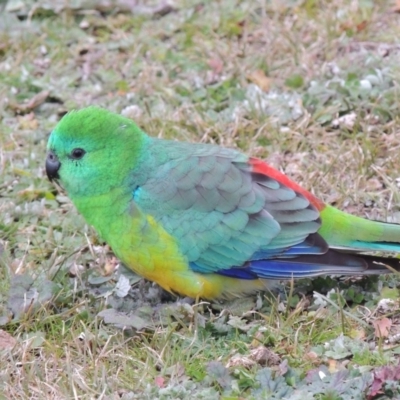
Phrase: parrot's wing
{"type": "Point", "coordinates": [223, 214]}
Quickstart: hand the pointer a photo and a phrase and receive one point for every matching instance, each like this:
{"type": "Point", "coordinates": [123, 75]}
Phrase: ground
{"type": "Point", "coordinates": [312, 87]}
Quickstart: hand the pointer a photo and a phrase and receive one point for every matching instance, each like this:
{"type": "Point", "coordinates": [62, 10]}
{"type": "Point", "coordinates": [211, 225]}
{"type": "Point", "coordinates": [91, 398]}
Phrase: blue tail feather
{"type": "Point", "coordinates": [333, 262]}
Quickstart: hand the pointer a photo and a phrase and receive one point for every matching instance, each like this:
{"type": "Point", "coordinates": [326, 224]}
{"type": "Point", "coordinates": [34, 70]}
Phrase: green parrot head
{"type": "Point", "coordinates": [91, 151]}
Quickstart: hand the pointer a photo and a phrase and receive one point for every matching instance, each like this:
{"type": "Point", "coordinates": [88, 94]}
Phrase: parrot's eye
{"type": "Point", "coordinates": [77, 154]}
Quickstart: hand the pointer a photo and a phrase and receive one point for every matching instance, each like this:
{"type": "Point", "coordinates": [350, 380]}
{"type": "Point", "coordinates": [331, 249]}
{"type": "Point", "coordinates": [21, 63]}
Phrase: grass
{"type": "Point", "coordinates": [275, 79]}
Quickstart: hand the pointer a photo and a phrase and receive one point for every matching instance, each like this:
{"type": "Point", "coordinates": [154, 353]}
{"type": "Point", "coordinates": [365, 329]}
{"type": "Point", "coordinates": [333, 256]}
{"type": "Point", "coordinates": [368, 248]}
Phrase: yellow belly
{"type": "Point", "coordinates": [154, 254]}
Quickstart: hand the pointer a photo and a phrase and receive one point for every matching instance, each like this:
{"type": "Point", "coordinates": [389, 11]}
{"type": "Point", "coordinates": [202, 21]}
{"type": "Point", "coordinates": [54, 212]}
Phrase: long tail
{"type": "Point", "coordinates": [348, 232]}
{"type": "Point", "coordinates": [348, 238]}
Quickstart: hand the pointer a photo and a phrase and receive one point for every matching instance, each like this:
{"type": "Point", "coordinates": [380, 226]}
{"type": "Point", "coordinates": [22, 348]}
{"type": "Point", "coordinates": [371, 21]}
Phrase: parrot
{"type": "Point", "coordinates": [201, 220]}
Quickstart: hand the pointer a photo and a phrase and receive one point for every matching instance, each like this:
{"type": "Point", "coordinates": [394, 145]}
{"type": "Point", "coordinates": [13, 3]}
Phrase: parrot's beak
{"type": "Point", "coordinates": [52, 166]}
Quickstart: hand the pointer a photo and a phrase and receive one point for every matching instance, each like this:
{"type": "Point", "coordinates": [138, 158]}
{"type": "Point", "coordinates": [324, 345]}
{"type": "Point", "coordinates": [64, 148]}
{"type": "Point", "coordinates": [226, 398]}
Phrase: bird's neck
{"type": "Point", "coordinates": [135, 238]}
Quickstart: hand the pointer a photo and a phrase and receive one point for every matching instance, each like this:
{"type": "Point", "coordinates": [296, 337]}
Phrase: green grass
{"type": "Point", "coordinates": [192, 74]}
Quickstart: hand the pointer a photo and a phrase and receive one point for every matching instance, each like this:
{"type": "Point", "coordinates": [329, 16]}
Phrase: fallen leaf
{"type": "Point", "coordinates": [361, 26]}
{"type": "Point", "coordinates": [239, 360]}
{"type": "Point", "coordinates": [159, 381]}
{"type": "Point", "coordinates": [332, 366]}
{"type": "Point", "coordinates": [312, 355]}
{"type": "Point", "coordinates": [112, 316]}
{"type": "Point", "coordinates": [264, 356]}
{"type": "Point", "coordinates": [216, 65]}
{"type": "Point", "coordinates": [122, 287]}
{"type": "Point", "coordinates": [381, 376]}
{"type": "Point", "coordinates": [32, 103]}
{"type": "Point", "coordinates": [259, 78]}
{"type": "Point", "coordinates": [6, 340]}
{"type": "Point", "coordinates": [382, 327]}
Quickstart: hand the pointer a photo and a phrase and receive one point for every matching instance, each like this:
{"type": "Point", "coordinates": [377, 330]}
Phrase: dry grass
{"type": "Point", "coordinates": [187, 75]}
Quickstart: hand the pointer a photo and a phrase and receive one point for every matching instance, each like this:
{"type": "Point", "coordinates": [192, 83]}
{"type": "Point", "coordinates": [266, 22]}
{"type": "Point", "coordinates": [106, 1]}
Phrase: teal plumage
{"type": "Point", "coordinates": [212, 203]}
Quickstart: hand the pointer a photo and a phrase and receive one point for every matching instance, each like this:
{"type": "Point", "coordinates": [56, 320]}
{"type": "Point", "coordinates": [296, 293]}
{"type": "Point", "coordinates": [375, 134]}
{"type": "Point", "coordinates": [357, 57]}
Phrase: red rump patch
{"type": "Point", "coordinates": [262, 167]}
